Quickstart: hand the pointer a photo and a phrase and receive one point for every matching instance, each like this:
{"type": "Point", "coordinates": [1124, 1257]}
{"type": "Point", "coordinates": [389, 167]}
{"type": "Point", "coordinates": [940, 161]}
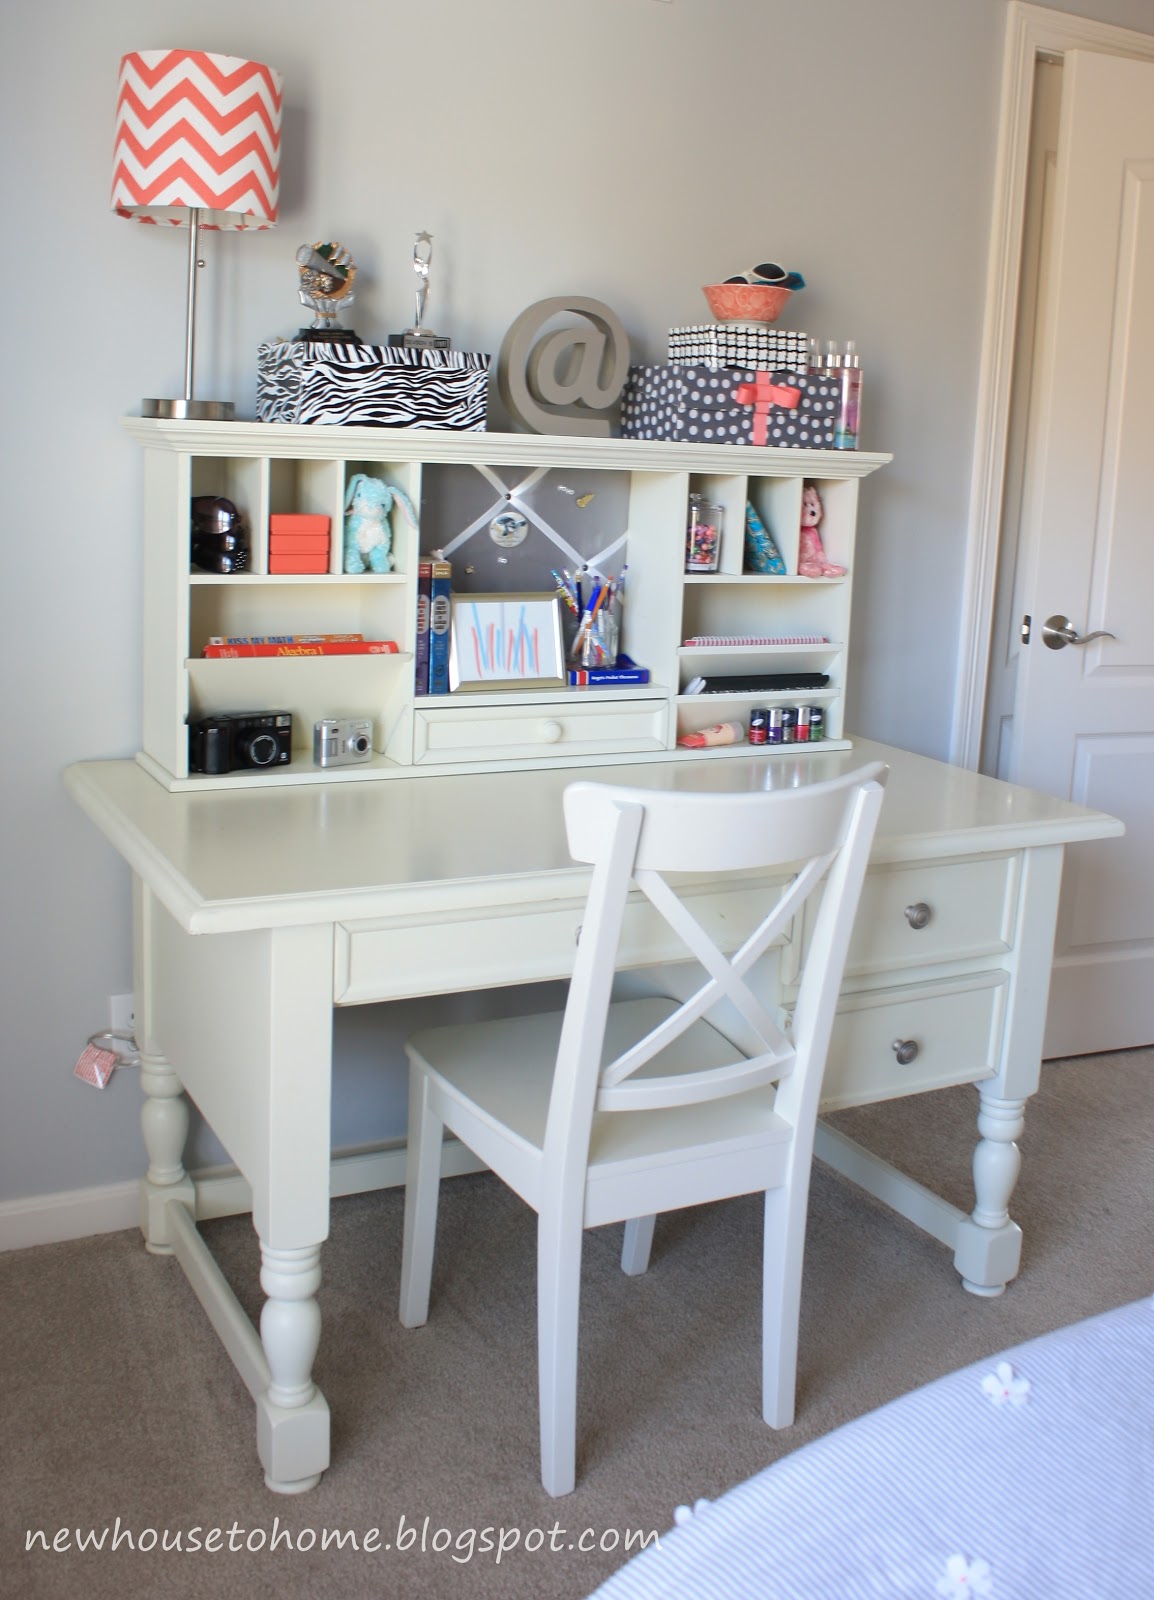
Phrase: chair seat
{"type": "Point", "coordinates": [504, 1069]}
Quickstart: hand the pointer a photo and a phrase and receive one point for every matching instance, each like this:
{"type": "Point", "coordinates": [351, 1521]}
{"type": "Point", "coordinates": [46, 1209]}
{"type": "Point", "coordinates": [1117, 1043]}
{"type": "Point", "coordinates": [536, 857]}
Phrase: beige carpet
{"type": "Point", "coordinates": [120, 1404]}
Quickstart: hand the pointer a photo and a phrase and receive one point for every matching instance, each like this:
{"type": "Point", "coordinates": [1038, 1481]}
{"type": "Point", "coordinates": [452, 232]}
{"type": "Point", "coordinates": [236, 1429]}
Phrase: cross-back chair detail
{"type": "Point", "coordinates": [618, 1110]}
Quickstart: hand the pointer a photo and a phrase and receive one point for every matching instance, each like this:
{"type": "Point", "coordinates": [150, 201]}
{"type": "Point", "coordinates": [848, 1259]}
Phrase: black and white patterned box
{"type": "Point", "coordinates": [727, 344]}
{"type": "Point", "coordinates": [707, 405]}
{"type": "Point", "coordinates": [378, 385]}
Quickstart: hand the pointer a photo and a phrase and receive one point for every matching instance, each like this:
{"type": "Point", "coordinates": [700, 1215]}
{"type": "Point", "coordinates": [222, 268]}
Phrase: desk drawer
{"type": "Point", "coordinates": [953, 1030]}
{"type": "Point", "coordinates": [464, 732]}
{"type": "Point", "coordinates": [912, 916]}
{"type": "Point", "coordinates": [402, 956]}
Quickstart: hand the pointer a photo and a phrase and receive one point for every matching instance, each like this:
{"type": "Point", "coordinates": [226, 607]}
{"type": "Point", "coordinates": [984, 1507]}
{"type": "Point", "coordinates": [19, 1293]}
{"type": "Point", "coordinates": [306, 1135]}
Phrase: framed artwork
{"type": "Point", "coordinates": [502, 641]}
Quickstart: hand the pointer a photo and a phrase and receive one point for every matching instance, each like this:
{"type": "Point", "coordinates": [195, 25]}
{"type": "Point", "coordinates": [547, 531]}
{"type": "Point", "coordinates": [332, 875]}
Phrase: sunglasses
{"type": "Point", "coordinates": [769, 272]}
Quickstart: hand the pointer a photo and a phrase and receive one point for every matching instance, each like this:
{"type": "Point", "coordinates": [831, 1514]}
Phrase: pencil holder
{"type": "Point", "coordinates": [595, 644]}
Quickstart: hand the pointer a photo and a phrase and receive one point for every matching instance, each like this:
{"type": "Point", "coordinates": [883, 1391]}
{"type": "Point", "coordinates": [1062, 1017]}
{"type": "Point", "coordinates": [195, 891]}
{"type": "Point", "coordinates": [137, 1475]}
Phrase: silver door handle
{"type": "Point", "coordinates": [1058, 632]}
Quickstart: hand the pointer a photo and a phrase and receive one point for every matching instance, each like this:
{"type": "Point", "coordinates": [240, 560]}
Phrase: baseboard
{"type": "Point", "coordinates": [220, 1192]}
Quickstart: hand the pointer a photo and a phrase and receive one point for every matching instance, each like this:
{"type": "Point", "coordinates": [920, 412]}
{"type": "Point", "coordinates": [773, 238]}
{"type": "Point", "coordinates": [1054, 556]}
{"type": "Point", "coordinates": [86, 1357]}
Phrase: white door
{"type": "Point", "coordinates": [1083, 722]}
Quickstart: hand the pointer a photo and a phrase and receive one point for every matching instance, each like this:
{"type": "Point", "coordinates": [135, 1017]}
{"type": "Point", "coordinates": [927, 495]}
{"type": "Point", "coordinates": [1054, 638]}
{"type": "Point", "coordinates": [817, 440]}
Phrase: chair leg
{"type": "Point", "coordinates": [781, 1306]}
{"type": "Point", "coordinates": [422, 1191]}
{"type": "Point", "coordinates": [558, 1305]}
{"type": "Point", "coordinates": [637, 1245]}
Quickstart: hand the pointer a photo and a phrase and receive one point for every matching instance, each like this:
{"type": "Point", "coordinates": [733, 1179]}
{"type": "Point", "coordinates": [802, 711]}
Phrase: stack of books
{"type": "Point", "coordinates": [232, 647]}
{"type": "Point", "coordinates": [434, 622]}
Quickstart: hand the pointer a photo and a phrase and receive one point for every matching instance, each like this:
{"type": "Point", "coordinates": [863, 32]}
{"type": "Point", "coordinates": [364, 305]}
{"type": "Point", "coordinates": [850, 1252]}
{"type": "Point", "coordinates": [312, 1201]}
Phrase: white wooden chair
{"type": "Point", "coordinates": [612, 1111]}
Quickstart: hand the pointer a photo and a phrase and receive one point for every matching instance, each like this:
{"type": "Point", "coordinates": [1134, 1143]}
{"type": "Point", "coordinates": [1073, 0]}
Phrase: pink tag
{"type": "Point", "coordinates": [95, 1066]}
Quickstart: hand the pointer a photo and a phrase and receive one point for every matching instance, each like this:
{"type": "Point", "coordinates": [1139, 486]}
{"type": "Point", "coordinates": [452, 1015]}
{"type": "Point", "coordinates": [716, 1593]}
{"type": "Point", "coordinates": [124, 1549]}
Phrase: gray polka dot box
{"type": "Point", "coordinates": [711, 405]}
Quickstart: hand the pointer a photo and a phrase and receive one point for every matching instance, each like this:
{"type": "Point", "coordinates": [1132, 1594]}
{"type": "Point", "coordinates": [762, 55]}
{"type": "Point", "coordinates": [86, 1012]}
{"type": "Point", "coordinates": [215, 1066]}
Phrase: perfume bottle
{"type": "Point", "coordinates": [849, 401]}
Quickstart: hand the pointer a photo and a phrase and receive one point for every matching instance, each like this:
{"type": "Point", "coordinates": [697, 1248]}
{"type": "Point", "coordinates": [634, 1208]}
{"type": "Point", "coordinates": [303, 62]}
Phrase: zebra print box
{"type": "Point", "coordinates": [371, 384]}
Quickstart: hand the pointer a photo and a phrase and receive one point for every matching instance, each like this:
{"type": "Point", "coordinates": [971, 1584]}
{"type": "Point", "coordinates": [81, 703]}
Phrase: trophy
{"type": "Point", "coordinates": [418, 337]}
{"type": "Point", "coordinates": [326, 273]}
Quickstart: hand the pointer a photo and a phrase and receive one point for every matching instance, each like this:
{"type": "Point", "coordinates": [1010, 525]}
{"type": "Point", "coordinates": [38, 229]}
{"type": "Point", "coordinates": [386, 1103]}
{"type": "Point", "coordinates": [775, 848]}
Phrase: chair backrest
{"type": "Point", "coordinates": [819, 835]}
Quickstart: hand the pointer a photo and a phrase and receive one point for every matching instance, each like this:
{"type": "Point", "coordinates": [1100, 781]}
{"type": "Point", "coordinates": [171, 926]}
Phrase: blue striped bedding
{"type": "Point", "coordinates": [1029, 1476]}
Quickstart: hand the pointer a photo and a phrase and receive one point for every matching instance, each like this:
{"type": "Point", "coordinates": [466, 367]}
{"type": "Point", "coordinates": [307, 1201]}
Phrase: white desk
{"type": "Point", "coordinates": [257, 911]}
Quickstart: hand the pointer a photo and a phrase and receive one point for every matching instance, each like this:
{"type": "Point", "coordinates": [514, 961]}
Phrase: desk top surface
{"type": "Point", "coordinates": [230, 859]}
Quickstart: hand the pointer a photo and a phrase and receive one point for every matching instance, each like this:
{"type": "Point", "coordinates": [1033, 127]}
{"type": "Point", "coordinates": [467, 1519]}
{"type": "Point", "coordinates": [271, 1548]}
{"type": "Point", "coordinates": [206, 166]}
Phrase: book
{"type": "Point", "coordinates": [421, 647]}
{"type": "Point", "coordinates": [707, 640]}
{"type": "Point", "coordinates": [440, 622]}
{"type": "Point", "coordinates": [583, 677]}
{"type": "Point", "coordinates": [304, 647]}
{"type": "Point", "coordinates": [762, 683]}
{"type": "Point", "coordinates": [284, 638]}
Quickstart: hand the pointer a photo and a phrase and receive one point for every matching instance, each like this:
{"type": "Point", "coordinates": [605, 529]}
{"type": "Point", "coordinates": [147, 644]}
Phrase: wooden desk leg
{"type": "Point", "coordinates": [164, 1115]}
{"type": "Point", "coordinates": [989, 1245]}
{"type": "Point", "coordinates": [292, 1414]}
{"type": "Point", "coordinates": [164, 1123]}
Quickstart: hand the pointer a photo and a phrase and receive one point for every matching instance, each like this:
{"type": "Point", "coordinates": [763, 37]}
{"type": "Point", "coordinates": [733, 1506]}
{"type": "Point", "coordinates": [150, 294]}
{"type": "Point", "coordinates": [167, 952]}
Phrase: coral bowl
{"type": "Point", "coordinates": [746, 302]}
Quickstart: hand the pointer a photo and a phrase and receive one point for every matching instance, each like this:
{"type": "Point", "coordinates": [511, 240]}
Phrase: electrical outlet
{"type": "Point", "coordinates": [122, 1013]}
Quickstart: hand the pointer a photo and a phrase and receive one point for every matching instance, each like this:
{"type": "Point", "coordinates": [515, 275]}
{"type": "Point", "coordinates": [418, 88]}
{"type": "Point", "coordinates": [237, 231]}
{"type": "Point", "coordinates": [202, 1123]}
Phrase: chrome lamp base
{"type": "Point", "coordinates": [188, 410]}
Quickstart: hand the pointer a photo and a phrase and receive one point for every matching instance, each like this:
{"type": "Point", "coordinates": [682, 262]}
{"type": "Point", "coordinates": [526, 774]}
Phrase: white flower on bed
{"type": "Point", "coordinates": [965, 1578]}
{"type": "Point", "coordinates": [1001, 1385]}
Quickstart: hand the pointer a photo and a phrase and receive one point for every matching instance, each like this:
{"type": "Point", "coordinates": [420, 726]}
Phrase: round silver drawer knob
{"type": "Point", "coordinates": [906, 1051]}
{"type": "Point", "coordinates": [918, 915]}
{"type": "Point", "coordinates": [550, 732]}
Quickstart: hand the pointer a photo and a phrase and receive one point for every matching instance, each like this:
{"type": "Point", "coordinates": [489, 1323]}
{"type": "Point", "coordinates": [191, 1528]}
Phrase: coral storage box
{"type": "Point", "coordinates": [379, 385]}
{"type": "Point", "coordinates": [298, 542]}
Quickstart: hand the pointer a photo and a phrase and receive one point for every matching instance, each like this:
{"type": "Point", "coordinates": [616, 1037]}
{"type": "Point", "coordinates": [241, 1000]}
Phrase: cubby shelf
{"type": "Point", "coordinates": [266, 468]}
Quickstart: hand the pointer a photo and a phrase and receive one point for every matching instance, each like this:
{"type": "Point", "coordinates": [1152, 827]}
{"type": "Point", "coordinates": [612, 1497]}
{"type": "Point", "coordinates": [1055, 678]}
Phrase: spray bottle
{"type": "Point", "coordinates": [849, 401]}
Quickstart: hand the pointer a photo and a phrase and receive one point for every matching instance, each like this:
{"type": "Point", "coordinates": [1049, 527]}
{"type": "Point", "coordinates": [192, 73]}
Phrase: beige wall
{"type": "Point", "coordinates": [626, 149]}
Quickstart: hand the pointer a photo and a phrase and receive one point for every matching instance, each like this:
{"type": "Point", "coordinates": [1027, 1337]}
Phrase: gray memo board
{"type": "Point", "coordinates": [454, 497]}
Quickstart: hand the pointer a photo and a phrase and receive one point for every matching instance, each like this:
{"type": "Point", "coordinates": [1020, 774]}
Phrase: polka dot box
{"type": "Point", "coordinates": [702, 405]}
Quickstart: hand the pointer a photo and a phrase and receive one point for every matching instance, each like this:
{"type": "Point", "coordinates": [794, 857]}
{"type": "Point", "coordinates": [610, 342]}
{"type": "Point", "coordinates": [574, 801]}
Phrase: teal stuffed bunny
{"type": "Point", "coordinates": [368, 532]}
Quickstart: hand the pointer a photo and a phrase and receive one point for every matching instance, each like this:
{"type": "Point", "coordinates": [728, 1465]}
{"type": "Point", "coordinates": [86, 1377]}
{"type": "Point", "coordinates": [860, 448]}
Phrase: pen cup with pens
{"type": "Point", "coordinates": [703, 535]}
{"type": "Point", "coordinates": [592, 602]}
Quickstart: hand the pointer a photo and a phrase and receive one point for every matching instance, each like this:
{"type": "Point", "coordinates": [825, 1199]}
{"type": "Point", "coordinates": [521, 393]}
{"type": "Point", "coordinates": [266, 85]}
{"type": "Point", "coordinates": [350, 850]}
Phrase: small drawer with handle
{"type": "Point", "coordinates": [471, 732]}
{"type": "Point", "coordinates": [923, 1036]}
{"type": "Point", "coordinates": [935, 912]}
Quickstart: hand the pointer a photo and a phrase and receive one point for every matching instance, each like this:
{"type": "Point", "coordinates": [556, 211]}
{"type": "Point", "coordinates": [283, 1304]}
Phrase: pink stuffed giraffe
{"type": "Point", "coordinates": [812, 561]}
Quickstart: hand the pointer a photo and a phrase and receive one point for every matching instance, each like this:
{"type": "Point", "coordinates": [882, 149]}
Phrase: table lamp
{"type": "Point", "coordinates": [197, 146]}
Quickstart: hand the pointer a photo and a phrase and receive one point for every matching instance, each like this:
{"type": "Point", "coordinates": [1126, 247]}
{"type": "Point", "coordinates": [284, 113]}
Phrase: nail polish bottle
{"type": "Point", "coordinates": [849, 403]}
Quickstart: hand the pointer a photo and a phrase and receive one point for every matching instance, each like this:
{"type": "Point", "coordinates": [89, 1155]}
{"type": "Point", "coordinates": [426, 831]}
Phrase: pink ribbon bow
{"type": "Point", "coordinates": [762, 394]}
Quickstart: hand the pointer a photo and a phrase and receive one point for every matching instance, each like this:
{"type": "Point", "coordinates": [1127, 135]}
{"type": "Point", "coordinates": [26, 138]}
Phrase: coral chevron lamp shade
{"type": "Point", "coordinates": [197, 130]}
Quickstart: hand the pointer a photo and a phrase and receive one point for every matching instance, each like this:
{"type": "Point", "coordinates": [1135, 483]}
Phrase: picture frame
{"type": "Point", "coordinates": [506, 641]}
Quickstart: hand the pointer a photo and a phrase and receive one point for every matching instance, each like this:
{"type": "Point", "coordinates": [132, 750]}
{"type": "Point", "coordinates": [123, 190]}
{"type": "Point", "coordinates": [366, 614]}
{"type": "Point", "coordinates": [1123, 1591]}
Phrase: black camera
{"type": "Point", "coordinates": [240, 739]}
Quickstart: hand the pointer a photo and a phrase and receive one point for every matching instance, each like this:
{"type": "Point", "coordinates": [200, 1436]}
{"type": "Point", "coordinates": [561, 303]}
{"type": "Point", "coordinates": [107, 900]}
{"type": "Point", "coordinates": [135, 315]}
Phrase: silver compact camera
{"type": "Point", "coordinates": [341, 741]}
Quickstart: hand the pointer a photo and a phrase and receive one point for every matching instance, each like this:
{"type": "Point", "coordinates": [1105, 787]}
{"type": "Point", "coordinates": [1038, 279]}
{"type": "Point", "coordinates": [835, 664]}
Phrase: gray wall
{"type": "Point", "coordinates": [630, 150]}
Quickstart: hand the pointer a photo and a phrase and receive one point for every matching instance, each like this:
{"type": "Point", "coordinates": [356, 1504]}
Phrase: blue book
{"type": "Point", "coordinates": [440, 624]}
{"type": "Point", "coordinates": [421, 644]}
{"type": "Point", "coordinates": [626, 671]}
